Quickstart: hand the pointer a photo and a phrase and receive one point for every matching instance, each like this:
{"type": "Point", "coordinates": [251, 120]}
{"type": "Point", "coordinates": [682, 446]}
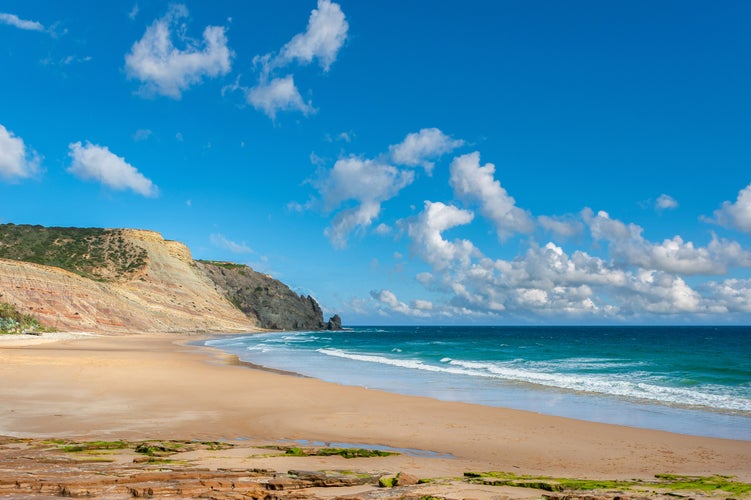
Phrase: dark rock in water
{"type": "Point", "coordinates": [266, 299]}
{"type": "Point", "coordinates": [335, 323]}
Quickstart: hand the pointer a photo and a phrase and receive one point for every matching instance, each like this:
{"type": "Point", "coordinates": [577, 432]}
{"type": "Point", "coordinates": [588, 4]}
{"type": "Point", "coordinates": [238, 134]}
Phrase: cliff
{"type": "Point", "coordinates": [118, 280]}
{"type": "Point", "coordinates": [269, 301]}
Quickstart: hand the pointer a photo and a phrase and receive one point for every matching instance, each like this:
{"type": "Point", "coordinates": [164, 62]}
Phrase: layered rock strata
{"type": "Point", "coordinates": [162, 289]}
{"type": "Point", "coordinates": [167, 295]}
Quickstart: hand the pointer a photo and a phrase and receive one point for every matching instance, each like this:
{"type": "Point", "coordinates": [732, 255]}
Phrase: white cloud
{"type": "Point", "coordinates": [736, 215]}
{"type": "Point", "coordinates": [732, 295]}
{"type": "Point", "coordinates": [324, 36]}
{"type": "Point", "coordinates": [142, 134]}
{"type": "Point", "coordinates": [16, 160]}
{"type": "Point", "coordinates": [425, 231]}
{"type": "Point", "coordinates": [472, 182]}
{"type": "Point", "coordinates": [422, 305]}
{"type": "Point", "coordinates": [280, 94]}
{"type": "Point", "coordinates": [220, 241]}
{"type": "Point", "coordinates": [632, 278]}
{"type": "Point", "coordinates": [627, 244]}
{"type": "Point", "coordinates": [546, 280]}
{"type": "Point", "coordinates": [419, 147]}
{"type": "Point", "coordinates": [354, 178]}
{"type": "Point", "coordinates": [164, 69]}
{"type": "Point", "coordinates": [349, 220]}
{"type": "Point", "coordinates": [366, 182]}
{"type": "Point", "coordinates": [660, 293]}
{"type": "Point", "coordinates": [388, 300]}
{"type": "Point", "coordinates": [666, 202]}
{"type": "Point", "coordinates": [133, 12]}
{"type": "Point", "coordinates": [382, 229]}
{"type": "Point", "coordinates": [14, 20]}
{"type": "Point", "coordinates": [562, 226]}
{"type": "Point", "coordinates": [99, 164]}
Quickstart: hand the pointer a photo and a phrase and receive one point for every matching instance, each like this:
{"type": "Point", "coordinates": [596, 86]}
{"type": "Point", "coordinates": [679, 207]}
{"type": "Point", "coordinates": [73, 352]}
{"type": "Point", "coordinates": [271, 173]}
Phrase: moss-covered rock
{"type": "Point", "coordinates": [387, 482]}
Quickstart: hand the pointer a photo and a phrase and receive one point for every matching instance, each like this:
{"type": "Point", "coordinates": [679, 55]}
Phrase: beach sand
{"type": "Point", "coordinates": [138, 387]}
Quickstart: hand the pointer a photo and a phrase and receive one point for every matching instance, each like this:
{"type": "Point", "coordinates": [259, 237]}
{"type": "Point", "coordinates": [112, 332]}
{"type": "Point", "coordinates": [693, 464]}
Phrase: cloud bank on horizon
{"type": "Point", "coordinates": [442, 215]}
{"type": "Point", "coordinates": [636, 276]}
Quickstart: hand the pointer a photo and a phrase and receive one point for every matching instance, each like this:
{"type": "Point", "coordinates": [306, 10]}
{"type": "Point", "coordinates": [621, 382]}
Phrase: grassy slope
{"type": "Point", "coordinates": [98, 254]}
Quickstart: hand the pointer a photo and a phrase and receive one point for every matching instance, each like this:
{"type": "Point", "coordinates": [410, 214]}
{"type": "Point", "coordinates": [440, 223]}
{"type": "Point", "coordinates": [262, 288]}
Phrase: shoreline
{"type": "Point", "coordinates": [149, 386]}
{"type": "Point", "coordinates": [581, 405]}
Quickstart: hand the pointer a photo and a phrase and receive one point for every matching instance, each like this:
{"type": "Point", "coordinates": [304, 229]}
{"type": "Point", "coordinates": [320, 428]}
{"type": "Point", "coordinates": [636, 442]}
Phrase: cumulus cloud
{"type": "Point", "coordinates": [666, 202]}
{"type": "Point", "coordinates": [24, 24]}
{"type": "Point", "coordinates": [367, 184]}
{"type": "Point", "coordinates": [420, 147]}
{"type": "Point", "coordinates": [16, 160]}
{"type": "Point", "coordinates": [92, 162]}
{"type": "Point", "coordinates": [632, 277]}
{"type": "Point", "coordinates": [426, 232]}
{"type": "Point", "coordinates": [220, 241]}
{"type": "Point", "coordinates": [280, 94]}
{"type": "Point", "coordinates": [388, 300]}
{"type": "Point", "coordinates": [324, 36]}
{"type": "Point", "coordinates": [322, 40]}
{"type": "Point", "coordinates": [563, 226]}
{"type": "Point", "coordinates": [731, 295]}
{"type": "Point", "coordinates": [660, 292]}
{"type": "Point", "coordinates": [475, 183]}
{"type": "Point", "coordinates": [736, 215]}
{"type": "Point", "coordinates": [167, 70]}
{"type": "Point", "coordinates": [547, 281]}
{"type": "Point", "coordinates": [674, 255]}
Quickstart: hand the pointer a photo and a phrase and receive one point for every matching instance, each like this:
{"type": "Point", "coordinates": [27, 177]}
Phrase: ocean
{"type": "Point", "coordinates": [685, 379]}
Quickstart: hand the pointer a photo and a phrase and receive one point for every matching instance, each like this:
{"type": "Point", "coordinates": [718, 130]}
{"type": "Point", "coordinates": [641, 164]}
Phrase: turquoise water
{"type": "Point", "coordinates": [692, 380]}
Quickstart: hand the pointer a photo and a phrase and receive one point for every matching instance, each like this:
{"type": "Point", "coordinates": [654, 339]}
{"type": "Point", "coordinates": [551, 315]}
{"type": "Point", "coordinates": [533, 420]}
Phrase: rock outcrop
{"type": "Point", "coordinates": [334, 323]}
{"type": "Point", "coordinates": [266, 300]}
{"type": "Point", "coordinates": [125, 280]}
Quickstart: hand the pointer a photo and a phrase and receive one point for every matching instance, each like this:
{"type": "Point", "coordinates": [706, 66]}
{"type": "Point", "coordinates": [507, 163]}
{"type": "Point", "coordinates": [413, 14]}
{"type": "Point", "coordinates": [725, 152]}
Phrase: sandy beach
{"type": "Point", "coordinates": [138, 387]}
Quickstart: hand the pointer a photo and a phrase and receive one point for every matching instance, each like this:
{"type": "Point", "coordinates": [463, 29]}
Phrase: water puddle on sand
{"type": "Point", "coordinates": [403, 451]}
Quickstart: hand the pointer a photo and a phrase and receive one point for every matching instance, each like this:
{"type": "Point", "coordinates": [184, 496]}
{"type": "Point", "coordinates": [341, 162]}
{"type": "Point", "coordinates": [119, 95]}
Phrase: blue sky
{"type": "Point", "coordinates": [403, 162]}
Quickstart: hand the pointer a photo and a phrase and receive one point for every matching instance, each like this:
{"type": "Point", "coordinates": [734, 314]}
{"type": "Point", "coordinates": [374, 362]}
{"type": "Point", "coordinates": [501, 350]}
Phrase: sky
{"type": "Point", "coordinates": [404, 162]}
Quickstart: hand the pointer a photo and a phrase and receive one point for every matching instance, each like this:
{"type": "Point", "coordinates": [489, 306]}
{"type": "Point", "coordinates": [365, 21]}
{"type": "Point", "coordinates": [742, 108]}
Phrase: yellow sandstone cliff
{"type": "Point", "coordinates": [168, 294]}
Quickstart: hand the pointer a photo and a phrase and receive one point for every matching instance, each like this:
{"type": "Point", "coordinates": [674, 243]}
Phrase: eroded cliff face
{"type": "Point", "coordinates": [132, 280]}
{"type": "Point", "coordinates": [269, 301]}
{"type": "Point", "coordinates": [167, 294]}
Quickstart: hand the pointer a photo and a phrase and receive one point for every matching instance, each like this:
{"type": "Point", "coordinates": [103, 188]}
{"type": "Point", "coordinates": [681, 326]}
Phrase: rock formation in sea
{"type": "Point", "coordinates": [119, 280]}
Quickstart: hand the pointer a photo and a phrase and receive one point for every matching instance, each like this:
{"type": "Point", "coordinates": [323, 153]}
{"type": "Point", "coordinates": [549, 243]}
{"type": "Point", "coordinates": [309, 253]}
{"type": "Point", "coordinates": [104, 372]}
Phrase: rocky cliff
{"type": "Point", "coordinates": [118, 280]}
{"type": "Point", "coordinates": [269, 301]}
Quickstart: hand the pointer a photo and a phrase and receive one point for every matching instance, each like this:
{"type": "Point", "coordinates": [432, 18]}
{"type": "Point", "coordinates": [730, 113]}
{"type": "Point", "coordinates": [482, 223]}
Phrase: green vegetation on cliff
{"type": "Point", "coordinates": [12, 321]}
{"type": "Point", "coordinates": [269, 301]}
{"type": "Point", "coordinates": [98, 254]}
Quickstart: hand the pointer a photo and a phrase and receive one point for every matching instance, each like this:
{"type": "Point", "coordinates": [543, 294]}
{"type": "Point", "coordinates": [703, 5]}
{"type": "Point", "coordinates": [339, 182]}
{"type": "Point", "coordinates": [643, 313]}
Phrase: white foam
{"type": "Point", "coordinates": [613, 386]}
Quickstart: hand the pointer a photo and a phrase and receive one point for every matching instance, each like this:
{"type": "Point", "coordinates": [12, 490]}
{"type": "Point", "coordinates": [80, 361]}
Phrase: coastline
{"type": "Point", "coordinates": [160, 386]}
{"type": "Point", "coordinates": [577, 384]}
